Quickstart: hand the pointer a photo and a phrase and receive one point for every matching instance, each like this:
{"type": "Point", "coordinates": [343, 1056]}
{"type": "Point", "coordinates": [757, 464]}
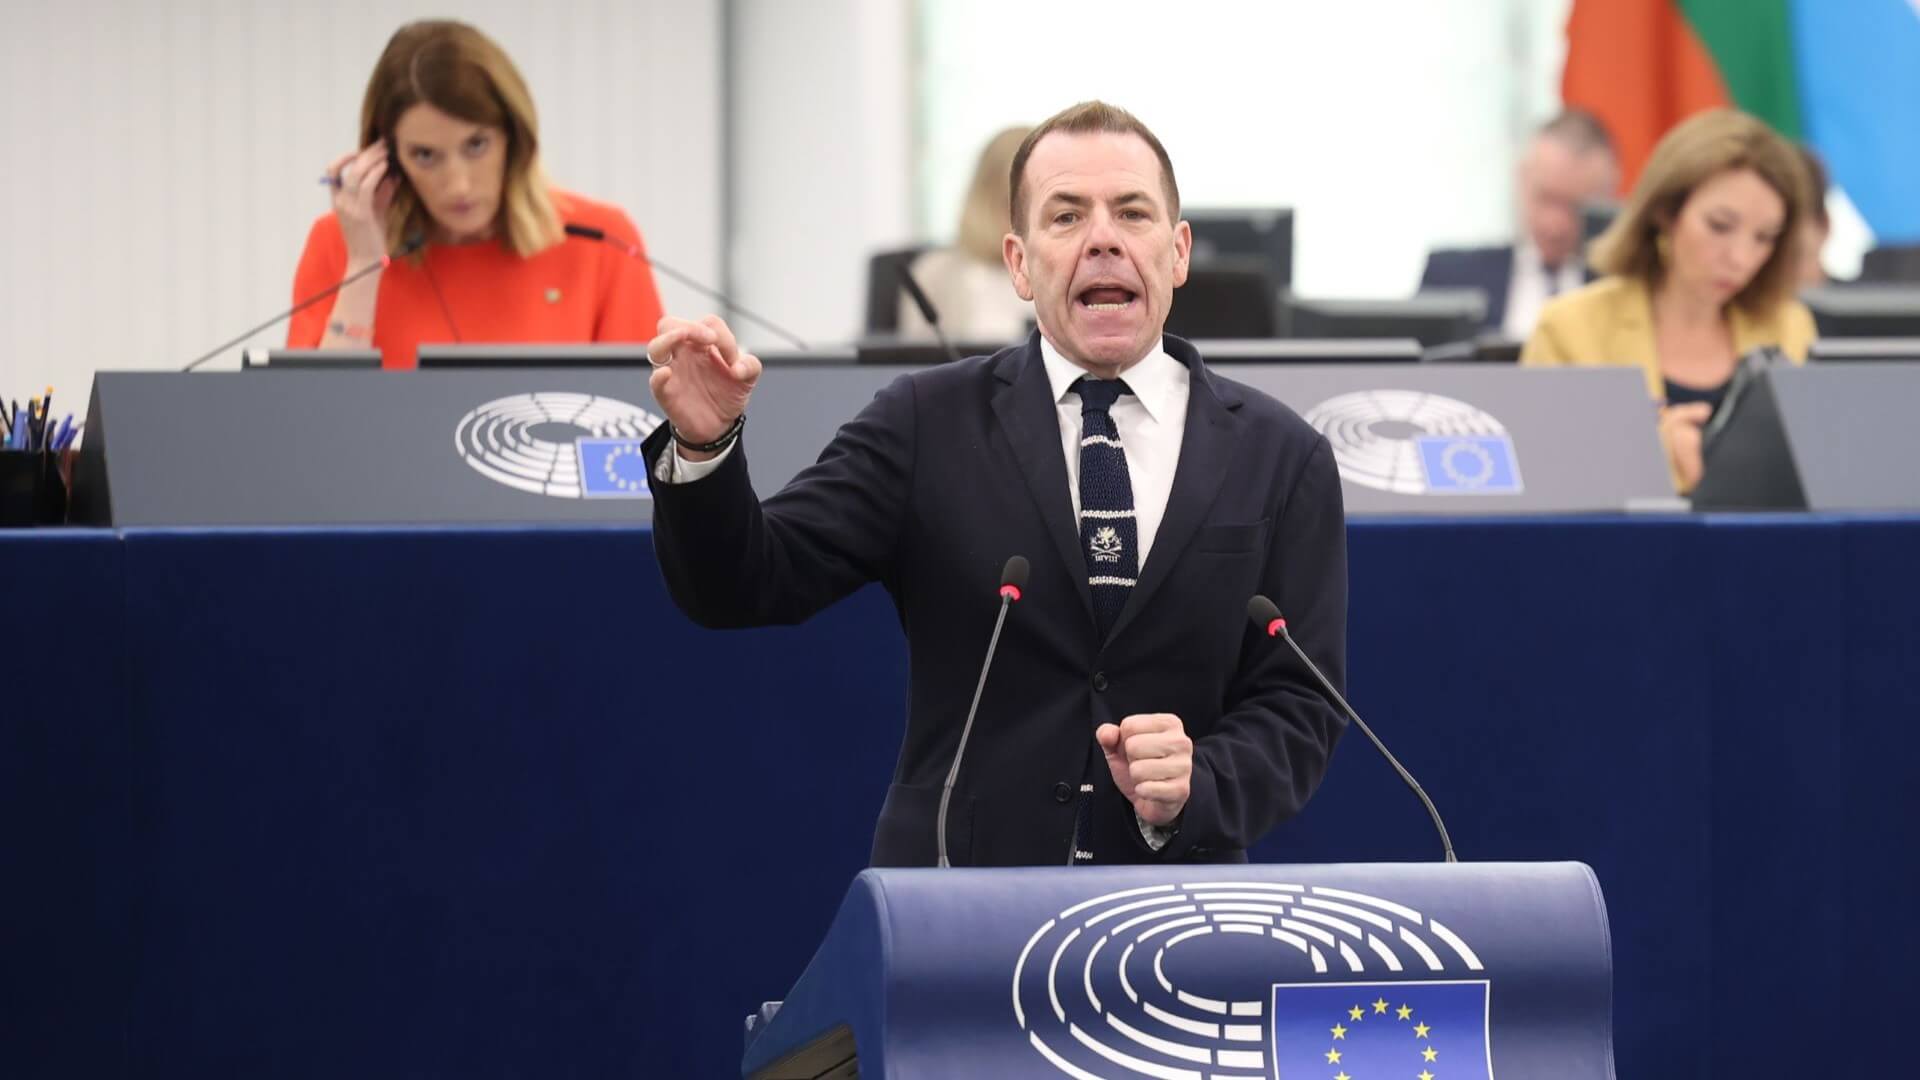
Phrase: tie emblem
{"type": "Point", "coordinates": [1105, 545]}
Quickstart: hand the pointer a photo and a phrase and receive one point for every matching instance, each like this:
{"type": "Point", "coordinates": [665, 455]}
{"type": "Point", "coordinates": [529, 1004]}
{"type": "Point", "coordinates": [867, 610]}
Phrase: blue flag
{"type": "Point", "coordinates": [612, 469]}
{"type": "Point", "coordinates": [1859, 71]}
{"type": "Point", "coordinates": [1469, 464]}
{"type": "Point", "coordinates": [1361, 1031]}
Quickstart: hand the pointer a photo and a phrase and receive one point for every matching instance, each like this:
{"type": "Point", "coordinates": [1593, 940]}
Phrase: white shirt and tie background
{"type": "Point", "coordinates": [1532, 285]}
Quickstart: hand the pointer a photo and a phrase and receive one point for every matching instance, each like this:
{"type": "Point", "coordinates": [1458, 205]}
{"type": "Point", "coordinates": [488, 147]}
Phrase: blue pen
{"type": "Point", "coordinates": [64, 433]}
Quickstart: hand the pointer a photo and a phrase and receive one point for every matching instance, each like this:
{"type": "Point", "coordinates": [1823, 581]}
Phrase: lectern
{"type": "Point", "coordinates": [1204, 973]}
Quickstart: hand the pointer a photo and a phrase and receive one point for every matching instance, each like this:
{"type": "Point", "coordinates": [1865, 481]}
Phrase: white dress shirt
{"type": "Point", "coordinates": [1152, 421]}
{"type": "Point", "coordinates": [1532, 286]}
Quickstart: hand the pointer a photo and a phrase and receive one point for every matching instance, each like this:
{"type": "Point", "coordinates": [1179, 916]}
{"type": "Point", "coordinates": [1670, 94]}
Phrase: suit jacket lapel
{"type": "Point", "coordinates": [1024, 405]}
{"type": "Point", "coordinates": [1206, 453]}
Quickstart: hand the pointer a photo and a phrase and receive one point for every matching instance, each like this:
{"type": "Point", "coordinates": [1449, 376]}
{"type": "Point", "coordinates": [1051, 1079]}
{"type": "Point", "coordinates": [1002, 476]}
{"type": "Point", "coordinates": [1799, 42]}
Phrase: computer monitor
{"type": "Point", "coordinates": [1896, 350]}
{"type": "Point", "coordinates": [1297, 351]}
{"type": "Point", "coordinates": [1228, 297]}
{"type": "Point", "coordinates": [620, 355]}
{"type": "Point", "coordinates": [1865, 311]}
{"type": "Point", "coordinates": [1596, 218]}
{"type": "Point", "coordinates": [1431, 318]}
{"type": "Point", "coordinates": [1264, 233]}
{"type": "Point", "coordinates": [310, 359]}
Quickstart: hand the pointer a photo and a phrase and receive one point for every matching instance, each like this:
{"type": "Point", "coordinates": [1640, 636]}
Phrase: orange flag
{"type": "Point", "coordinates": [1639, 67]}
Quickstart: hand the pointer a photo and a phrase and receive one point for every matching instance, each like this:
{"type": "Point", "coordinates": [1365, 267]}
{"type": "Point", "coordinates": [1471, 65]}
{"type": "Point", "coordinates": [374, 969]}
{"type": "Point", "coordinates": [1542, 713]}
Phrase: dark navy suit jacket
{"type": "Point", "coordinates": [947, 473]}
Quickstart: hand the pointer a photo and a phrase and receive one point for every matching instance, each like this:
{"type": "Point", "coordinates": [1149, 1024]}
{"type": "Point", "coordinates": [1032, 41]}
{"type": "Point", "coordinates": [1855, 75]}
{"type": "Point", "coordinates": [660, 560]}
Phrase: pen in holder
{"type": "Point", "coordinates": [33, 489]}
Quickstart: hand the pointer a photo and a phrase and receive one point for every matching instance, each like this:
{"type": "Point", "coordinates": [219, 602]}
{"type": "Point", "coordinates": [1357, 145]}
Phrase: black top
{"type": "Point", "coordinates": [1680, 394]}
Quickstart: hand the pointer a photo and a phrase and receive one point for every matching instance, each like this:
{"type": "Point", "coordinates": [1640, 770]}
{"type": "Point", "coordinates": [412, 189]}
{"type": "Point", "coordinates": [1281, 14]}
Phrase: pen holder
{"type": "Point", "coordinates": [32, 489]}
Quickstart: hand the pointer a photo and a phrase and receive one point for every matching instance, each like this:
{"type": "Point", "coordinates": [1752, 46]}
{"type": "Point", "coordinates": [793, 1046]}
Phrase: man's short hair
{"type": "Point", "coordinates": [1087, 118]}
{"type": "Point", "coordinates": [1581, 131]}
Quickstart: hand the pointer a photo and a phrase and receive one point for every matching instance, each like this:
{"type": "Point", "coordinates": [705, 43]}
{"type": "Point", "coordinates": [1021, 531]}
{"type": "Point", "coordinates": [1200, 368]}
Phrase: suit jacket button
{"type": "Point", "coordinates": [1099, 680]}
{"type": "Point", "coordinates": [1062, 792]}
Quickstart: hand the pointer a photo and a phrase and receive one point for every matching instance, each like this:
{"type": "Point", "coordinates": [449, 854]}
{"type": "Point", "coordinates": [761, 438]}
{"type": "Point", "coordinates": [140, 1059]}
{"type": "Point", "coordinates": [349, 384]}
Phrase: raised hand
{"type": "Point", "coordinates": [701, 378]}
{"type": "Point", "coordinates": [361, 199]}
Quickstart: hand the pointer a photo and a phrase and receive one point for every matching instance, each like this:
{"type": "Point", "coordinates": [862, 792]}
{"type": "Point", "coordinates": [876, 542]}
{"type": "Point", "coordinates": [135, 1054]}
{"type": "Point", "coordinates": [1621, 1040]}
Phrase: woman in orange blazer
{"type": "Point", "coordinates": [449, 173]}
{"type": "Point", "coordinates": [1700, 269]}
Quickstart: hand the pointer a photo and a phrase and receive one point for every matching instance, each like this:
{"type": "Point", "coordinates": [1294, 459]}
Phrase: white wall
{"type": "Point", "coordinates": [162, 158]}
{"type": "Point", "coordinates": [1389, 125]}
{"type": "Point", "coordinates": [822, 158]}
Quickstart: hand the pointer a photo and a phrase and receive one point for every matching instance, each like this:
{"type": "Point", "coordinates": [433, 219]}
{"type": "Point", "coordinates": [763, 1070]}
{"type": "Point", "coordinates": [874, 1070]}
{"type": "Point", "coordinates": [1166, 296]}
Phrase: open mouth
{"type": "Point", "coordinates": [1107, 297]}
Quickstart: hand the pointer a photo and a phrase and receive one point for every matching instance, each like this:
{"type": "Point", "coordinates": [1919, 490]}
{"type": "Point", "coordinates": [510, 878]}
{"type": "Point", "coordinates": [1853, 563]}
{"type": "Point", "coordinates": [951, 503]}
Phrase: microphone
{"type": "Point", "coordinates": [1267, 617]}
{"type": "Point", "coordinates": [1013, 581]}
{"type": "Point", "coordinates": [412, 245]}
{"type": "Point", "coordinates": [926, 310]}
{"type": "Point", "coordinates": [588, 232]}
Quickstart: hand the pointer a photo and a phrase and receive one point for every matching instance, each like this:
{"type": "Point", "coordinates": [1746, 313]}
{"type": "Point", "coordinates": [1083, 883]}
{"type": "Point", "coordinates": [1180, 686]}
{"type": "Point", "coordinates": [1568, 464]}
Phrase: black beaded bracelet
{"type": "Point", "coordinates": [725, 440]}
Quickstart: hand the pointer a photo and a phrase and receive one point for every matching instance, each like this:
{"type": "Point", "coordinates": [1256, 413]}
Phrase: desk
{"type": "Point", "coordinates": [445, 802]}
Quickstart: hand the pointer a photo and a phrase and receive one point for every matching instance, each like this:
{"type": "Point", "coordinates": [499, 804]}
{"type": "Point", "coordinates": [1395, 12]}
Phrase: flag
{"type": "Point", "coordinates": [1841, 75]}
{"type": "Point", "coordinates": [1357, 1031]}
{"type": "Point", "coordinates": [612, 469]}
{"type": "Point", "coordinates": [1469, 464]}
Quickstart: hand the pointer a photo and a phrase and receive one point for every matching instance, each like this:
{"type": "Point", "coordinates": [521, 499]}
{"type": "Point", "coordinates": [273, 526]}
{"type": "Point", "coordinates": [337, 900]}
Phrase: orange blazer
{"type": "Point", "coordinates": [577, 290]}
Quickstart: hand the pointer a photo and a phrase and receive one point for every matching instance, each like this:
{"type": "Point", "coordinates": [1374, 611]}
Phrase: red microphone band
{"type": "Point", "coordinates": [1274, 627]}
{"type": "Point", "coordinates": [1010, 592]}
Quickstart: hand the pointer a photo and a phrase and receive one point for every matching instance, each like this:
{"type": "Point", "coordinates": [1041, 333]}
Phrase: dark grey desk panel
{"type": "Point", "coordinates": [1582, 439]}
{"type": "Point", "coordinates": [313, 447]}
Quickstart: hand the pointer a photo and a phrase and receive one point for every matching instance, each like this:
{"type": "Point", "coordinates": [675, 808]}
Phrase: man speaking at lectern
{"type": "Point", "coordinates": [1133, 714]}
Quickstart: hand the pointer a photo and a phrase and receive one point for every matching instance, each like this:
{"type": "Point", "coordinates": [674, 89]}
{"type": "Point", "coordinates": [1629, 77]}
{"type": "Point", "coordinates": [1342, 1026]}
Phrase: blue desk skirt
{"type": "Point", "coordinates": [426, 802]}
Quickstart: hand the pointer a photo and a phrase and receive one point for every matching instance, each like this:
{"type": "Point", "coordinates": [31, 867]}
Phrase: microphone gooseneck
{"type": "Point", "coordinates": [1266, 616]}
{"type": "Point", "coordinates": [598, 235]}
{"type": "Point", "coordinates": [1013, 583]}
{"type": "Point", "coordinates": [921, 301]}
{"type": "Point", "coordinates": [412, 245]}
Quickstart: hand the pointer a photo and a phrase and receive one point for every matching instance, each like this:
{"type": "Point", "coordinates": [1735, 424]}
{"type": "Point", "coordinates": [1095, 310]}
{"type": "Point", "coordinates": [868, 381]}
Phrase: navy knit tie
{"type": "Point", "coordinates": [1109, 536]}
{"type": "Point", "coordinates": [1110, 542]}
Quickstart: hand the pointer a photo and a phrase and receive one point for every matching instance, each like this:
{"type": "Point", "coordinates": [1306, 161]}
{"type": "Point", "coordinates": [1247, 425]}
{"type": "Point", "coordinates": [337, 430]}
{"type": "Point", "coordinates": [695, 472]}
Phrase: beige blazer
{"type": "Point", "coordinates": [1611, 322]}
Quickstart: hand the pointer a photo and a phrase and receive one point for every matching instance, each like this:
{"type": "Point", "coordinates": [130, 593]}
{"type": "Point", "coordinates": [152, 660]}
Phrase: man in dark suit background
{"type": "Point", "coordinates": [1133, 713]}
{"type": "Point", "coordinates": [1569, 163]}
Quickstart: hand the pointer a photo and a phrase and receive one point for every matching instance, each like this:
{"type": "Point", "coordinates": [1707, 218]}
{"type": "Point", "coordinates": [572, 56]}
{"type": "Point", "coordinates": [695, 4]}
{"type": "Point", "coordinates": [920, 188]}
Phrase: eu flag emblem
{"type": "Point", "coordinates": [1356, 1031]}
{"type": "Point", "coordinates": [612, 469]}
{"type": "Point", "coordinates": [1469, 464]}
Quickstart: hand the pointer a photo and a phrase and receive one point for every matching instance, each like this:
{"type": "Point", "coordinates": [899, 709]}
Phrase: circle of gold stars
{"type": "Point", "coordinates": [1359, 1013]}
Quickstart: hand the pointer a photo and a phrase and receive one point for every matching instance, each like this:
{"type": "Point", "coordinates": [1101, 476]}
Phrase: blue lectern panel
{"type": "Point", "coordinates": [1231, 973]}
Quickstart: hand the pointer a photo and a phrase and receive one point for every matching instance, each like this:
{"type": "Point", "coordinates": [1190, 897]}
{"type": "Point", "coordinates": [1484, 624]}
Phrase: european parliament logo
{"type": "Point", "coordinates": [1243, 980]}
{"type": "Point", "coordinates": [1410, 442]}
{"type": "Point", "coordinates": [1357, 1030]}
{"type": "Point", "coordinates": [563, 445]}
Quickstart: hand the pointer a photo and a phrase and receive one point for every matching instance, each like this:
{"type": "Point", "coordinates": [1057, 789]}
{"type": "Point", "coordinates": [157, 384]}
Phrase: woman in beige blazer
{"type": "Point", "coordinates": [1700, 269]}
